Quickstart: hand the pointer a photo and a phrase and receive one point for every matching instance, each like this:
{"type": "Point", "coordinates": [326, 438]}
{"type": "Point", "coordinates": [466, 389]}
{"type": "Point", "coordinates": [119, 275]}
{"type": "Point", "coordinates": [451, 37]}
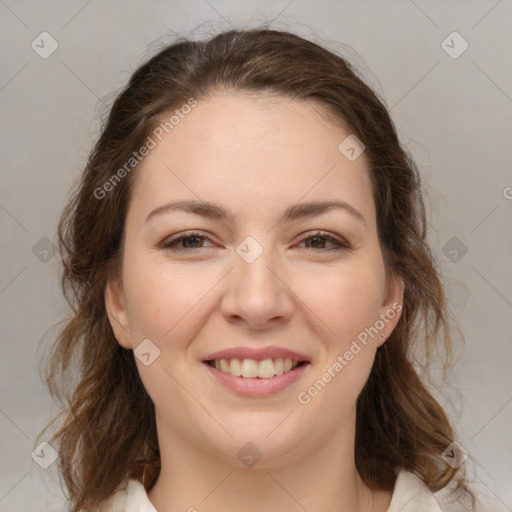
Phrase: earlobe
{"type": "Point", "coordinates": [116, 312]}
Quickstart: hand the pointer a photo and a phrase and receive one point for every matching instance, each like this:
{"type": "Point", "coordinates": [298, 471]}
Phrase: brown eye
{"type": "Point", "coordinates": [319, 239]}
{"type": "Point", "coordinates": [190, 240]}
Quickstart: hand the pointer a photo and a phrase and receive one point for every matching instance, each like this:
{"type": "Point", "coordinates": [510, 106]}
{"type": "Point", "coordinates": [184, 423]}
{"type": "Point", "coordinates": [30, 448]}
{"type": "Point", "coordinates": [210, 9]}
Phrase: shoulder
{"type": "Point", "coordinates": [412, 495]}
{"type": "Point", "coordinates": [133, 498]}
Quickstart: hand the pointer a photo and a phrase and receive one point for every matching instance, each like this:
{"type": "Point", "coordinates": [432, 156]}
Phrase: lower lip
{"type": "Point", "coordinates": [258, 387]}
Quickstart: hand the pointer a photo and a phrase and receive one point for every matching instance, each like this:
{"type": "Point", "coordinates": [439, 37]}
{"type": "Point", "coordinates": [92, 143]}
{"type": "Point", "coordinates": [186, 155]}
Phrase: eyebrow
{"type": "Point", "coordinates": [292, 213]}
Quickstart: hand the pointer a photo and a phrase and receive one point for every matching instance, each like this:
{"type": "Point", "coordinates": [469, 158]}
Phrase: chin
{"type": "Point", "coordinates": [259, 444]}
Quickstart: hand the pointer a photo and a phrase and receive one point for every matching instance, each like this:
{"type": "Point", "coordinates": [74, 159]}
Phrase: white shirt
{"type": "Point", "coordinates": [409, 495]}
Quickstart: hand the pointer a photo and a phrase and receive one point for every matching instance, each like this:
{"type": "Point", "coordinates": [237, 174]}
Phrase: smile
{"type": "Point", "coordinates": [248, 382]}
{"type": "Point", "coordinates": [250, 368]}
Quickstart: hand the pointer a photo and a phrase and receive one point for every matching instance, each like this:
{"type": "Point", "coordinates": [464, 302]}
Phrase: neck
{"type": "Point", "coordinates": [319, 479]}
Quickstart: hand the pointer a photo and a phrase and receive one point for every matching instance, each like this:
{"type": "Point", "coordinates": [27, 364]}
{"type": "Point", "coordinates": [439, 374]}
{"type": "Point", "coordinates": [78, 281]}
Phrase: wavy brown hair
{"type": "Point", "coordinates": [107, 430]}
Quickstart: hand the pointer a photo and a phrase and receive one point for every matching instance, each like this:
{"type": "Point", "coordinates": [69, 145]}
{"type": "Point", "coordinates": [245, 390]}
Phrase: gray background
{"type": "Point", "coordinates": [454, 114]}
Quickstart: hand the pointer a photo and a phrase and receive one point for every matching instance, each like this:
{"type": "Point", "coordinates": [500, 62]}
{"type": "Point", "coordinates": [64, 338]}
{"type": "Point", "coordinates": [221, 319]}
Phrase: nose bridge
{"type": "Point", "coordinates": [256, 291]}
{"type": "Point", "coordinates": [253, 267]}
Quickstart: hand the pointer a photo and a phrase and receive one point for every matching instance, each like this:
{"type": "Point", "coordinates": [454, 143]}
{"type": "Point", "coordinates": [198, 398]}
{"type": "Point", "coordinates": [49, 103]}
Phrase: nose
{"type": "Point", "coordinates": [257, 293]}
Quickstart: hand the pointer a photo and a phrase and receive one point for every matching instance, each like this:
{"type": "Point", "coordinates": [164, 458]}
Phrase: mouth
{"type": "Point", "coordinates": [256, 378]}
{"type": "Point", "coordinates": [258, 372]}
{"type": "Point", "coordinates": [253, 369]}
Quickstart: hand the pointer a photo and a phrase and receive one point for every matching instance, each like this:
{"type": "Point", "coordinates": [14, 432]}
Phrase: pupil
{"type": "Point", "coordinates": [191, 238]}
{"type": "Point", "coordinates": [315, 238]}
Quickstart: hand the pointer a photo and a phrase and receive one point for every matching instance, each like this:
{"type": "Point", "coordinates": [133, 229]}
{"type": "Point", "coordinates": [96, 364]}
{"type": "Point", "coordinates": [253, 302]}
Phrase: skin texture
{"type": "Point", "coordinates": [255, 155]}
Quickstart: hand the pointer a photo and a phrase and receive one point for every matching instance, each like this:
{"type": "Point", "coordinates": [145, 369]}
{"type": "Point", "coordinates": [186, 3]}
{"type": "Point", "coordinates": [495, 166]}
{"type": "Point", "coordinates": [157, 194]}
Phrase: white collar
{"type": "Point", "coordinates": [412, 495]}
{"type": "Point", "coordinates": [409, 495]}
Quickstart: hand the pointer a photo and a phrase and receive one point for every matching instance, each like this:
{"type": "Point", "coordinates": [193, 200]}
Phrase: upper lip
{"type": "Point", "coordinates": [256, 354]}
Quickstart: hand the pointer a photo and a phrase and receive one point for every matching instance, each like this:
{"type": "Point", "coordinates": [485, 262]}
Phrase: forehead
{"type": "Point", "coordinates": [252, 151]}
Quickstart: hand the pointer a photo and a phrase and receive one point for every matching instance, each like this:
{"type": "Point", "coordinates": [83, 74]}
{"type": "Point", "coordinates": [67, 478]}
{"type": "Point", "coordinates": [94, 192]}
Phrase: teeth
{"type": "Point", "coordinates": [265, 369]}
{"type": "Point", "coordinates": [235, 367]}
{"type": "Point", "coordinates": [250, 368]}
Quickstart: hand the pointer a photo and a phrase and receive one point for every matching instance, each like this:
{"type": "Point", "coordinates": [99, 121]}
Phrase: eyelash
{"type": "Point", "coordinates": [171, 244]}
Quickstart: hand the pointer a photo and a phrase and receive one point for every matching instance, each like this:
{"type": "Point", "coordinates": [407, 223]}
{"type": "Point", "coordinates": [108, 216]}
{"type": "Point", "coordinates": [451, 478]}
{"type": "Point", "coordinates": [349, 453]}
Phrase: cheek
{"type": "Point", "coordinates": [348, 310]}
{"type": "Point", "coordinates": [164, 303]}
{"type": "Point", "coordinates": [346, 301]}
{"type": "Point", "coordinates": [161, 298]}
{"type": "Point", "coordinates": [348, 304]}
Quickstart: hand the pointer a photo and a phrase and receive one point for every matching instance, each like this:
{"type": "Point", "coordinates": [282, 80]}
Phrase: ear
{"type": "Point", "coordinates": [117, 314]}
{"type": "Point", "coordinates": [392, 306]}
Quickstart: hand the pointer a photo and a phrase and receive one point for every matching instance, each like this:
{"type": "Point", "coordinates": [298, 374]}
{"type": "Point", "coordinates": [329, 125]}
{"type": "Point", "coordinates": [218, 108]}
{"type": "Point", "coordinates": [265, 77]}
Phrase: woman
{"type": "Point", "coordinates": [228, 358]}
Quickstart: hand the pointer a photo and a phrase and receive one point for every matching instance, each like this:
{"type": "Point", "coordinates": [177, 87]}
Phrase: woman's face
{"type": "Point", "coordinates": [256, 282]}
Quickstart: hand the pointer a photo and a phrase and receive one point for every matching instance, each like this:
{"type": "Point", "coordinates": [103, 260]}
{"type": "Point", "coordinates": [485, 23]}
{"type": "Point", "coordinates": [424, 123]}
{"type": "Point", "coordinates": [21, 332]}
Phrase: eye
{"type": "Point", "coordinates": [191, 239]}
{"type": "Point", "coordinates": [320, 237]}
